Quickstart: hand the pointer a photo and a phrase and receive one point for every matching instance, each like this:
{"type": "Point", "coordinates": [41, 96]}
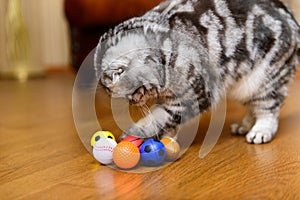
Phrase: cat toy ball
{"type": "Point", "coordinates": [126, 155]}
{"type": "Point", "coordinates": [172, 148]}
{"type": "Point", "coordinates": [153, 152]}
{"type": "Point", "coordinates": [101, 134]}
{"type": "Point", "coordinates": [103, 150]}
{"type": "Point", "coordinates": [134, 139]}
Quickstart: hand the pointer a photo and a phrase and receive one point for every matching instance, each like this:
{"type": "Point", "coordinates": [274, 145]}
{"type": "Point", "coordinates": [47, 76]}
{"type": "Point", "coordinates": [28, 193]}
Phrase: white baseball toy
{"type": "Point", "coordinates": [103, 150]}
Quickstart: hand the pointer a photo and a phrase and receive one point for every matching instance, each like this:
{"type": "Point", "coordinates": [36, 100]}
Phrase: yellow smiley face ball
{"type": "Point", "coordinates": [101, 134]}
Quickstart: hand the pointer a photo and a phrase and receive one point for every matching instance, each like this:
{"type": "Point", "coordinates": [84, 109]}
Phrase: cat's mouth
{"type": "Point", "coordinates": [141, 95]}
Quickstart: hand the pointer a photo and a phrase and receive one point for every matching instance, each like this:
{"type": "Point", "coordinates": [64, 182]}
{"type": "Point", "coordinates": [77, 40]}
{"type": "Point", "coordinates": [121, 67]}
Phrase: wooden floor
{"type": "Point", "coordinates": [42, 157]}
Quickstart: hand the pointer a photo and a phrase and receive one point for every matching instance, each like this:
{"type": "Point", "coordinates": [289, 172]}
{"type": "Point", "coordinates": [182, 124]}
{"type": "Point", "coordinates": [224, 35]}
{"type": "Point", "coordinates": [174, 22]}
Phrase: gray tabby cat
{"type": "Point", "coordinates": [190, 53]}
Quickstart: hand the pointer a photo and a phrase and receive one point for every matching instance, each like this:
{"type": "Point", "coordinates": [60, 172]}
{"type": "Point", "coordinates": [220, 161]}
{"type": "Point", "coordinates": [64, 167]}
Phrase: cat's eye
{"type": "Point", "coordinates": [120, 70]}
{"type": "Point", "coordinates": [113, 75]}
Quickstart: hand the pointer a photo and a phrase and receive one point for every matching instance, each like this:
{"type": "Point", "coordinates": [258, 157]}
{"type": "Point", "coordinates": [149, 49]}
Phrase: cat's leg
{"type": "Point", "coordinates": [266, 112]}
{"type": "Point", "coordinates": [244, 126]}
{"type": "Point", "coordinates": [158, 119]}
{"type": "Point", "coordinates": [165, 118]}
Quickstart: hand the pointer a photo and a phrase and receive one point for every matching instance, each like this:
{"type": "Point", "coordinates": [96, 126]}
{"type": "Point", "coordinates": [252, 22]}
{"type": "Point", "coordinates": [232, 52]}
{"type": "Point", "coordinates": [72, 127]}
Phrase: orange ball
{"type": "Point", "coordinates": [172, 148]}
{"type": "Point", "coordinates": [126, 155]}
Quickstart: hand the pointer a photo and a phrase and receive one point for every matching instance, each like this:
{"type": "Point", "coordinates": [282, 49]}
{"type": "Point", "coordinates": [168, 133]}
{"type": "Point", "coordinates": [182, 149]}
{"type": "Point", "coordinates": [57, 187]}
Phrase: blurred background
{"type": "Point", "coordinates": [47, 29]}
{"type": "Point", "coordinates": [60, 33]}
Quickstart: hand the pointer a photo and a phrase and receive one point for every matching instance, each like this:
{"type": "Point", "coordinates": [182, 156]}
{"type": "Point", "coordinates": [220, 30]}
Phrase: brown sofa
{"type": "Point", "coordinates": [89, 19]}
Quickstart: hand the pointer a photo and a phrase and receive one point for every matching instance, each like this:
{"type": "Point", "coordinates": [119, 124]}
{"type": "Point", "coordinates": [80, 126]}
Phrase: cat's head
{"type": "Point", "coordinates": [130, 67]}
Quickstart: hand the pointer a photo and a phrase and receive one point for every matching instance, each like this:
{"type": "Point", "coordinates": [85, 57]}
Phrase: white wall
{"type": "Point", "coordinates": [55, 33]}
{"type": "Point", "coordinates": [48, 32]}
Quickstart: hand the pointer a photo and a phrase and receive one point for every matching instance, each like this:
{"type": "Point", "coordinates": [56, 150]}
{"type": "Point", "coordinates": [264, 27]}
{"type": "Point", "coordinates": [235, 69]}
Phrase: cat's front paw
{"type": "Point", "coordinates": [259, 136]}
{"type": "Point", "coordinates": [139, 131]}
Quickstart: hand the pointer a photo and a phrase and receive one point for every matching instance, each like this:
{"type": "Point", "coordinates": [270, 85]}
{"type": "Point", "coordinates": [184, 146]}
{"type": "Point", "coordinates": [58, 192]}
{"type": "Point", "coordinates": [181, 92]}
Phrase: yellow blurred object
{"type": "Point", "coordinates": [101, 134]}
{"type": "Point", "coordinates": [18, 47]}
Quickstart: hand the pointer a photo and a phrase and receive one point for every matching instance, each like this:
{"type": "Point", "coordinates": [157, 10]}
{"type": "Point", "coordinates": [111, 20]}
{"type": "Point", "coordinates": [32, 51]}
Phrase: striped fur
{"type": "Point", "coordinates": [190, 53]}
